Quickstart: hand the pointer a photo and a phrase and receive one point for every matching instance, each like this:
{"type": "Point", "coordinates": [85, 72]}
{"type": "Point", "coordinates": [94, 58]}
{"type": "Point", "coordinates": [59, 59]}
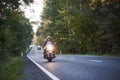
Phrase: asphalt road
{"type": "Point", "coordinates": [76, 67]}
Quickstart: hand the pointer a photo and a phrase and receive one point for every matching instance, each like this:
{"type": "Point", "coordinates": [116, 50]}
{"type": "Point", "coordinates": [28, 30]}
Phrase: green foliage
{"type": "Point", "coordinates": [108, 26]}
{"type": "Point", "coordinates": [15, 32]}
{"type": "Point", "coordinates": [69, 26]}
{"type": "Point", "coordinates": [11, 70]}
{"type": "Point", "coordinates": [85, 33]}
{"type": "Point", "coordinates": [82, 26]}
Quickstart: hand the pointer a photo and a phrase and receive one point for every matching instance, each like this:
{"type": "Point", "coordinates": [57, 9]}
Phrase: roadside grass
{"type": "Point", "coordinates": [114, 55]}
{"type": "Point", "coordinates": [94, 54]}
{"type": "Point", "coordinates": [11, 69]}
{"type": "Point", "coordinates": [105, 54]}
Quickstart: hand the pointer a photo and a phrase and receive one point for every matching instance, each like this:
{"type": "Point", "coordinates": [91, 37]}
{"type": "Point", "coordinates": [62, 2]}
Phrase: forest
{"type": "Point", "coordinates": [15, 29]}
{"type": "Point", "coordinates": [82, 26]}
{"type": "Point", "coordinates": [77, 26]}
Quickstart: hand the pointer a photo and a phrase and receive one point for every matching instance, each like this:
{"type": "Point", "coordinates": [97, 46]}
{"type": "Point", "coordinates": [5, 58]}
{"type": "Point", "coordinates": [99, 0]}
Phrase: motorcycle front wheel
{"type": "Point", "coordinates": [49, 60]}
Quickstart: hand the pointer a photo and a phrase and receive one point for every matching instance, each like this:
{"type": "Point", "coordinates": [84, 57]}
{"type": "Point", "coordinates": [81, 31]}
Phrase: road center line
{"type": "Point", "coordinates": [53, 77]}
{"type": "Point", "coordinates": [96, 60]}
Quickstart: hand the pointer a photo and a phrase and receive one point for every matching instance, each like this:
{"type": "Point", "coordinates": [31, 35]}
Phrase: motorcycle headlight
{"type": "Point", "coordinates": [50, 47]}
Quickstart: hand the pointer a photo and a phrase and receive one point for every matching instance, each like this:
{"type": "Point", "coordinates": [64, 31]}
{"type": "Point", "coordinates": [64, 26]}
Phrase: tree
{"type": "Point", "coordinates": [61, 19]}
{"type": "Point", "coordinates": [15, 30]}
{"type": "Point", "coordinates": [107, 13]}
{"type": "Point", "coordinates": [83, 26]}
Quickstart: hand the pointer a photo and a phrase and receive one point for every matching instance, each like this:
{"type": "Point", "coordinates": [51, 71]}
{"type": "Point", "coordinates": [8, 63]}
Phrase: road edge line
{"type": "Point", "coordinates": [53, 77]}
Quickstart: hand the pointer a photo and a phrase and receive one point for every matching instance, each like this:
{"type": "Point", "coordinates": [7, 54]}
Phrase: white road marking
{"type": "Point", "coordinates": [96, 60]}
{"type": "Point", "coordinates": [53, 77]}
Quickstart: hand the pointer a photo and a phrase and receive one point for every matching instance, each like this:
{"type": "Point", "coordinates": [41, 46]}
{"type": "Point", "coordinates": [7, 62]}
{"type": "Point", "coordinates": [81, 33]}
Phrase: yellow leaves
{"type": "Point", "coordinates": [47, 22]}
{"type": "Point", "coordinates": [62, 11]}
{"type": "Point", "coordinates": [95, 1]}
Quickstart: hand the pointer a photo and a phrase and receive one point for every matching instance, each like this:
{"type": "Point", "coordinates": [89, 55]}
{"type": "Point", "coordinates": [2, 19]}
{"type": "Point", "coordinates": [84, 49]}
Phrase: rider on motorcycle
{"type": "Point", "coordinates": [48, 41]}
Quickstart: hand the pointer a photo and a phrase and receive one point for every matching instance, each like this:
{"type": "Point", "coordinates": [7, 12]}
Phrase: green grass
{"type": "Point", "coordinates": [95, 54]}
{"type": "Point", "coordinates": [105, 54]}
{"type": "Point", "coordinates": [11, 69]}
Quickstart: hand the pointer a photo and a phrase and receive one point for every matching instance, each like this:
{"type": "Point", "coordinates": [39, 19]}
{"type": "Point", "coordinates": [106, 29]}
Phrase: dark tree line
{"type": "Point", "coordinates": [15, 29]}
{"type": "Point", "coordinates": [108, 18]}
{"type": "Point", "coordinates": [83, 26]}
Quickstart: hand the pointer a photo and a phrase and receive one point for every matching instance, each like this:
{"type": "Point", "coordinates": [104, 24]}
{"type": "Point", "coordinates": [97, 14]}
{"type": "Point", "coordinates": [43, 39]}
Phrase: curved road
{"type": "Point", "coordinates": [76, 67]}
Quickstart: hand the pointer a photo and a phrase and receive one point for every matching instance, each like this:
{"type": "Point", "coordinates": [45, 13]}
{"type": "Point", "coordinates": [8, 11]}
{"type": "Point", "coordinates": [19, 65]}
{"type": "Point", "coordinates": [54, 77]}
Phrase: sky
{"type": "Point", "coordinates": [33, 12]}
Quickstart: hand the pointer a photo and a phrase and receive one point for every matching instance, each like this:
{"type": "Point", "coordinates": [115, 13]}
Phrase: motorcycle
{"type": "Point", "coordinates": [49, 52]}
